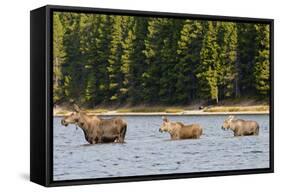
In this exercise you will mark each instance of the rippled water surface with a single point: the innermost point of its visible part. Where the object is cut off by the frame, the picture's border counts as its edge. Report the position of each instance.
(149, 152)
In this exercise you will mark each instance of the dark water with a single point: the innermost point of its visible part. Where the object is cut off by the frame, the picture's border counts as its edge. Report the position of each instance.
(149, 152)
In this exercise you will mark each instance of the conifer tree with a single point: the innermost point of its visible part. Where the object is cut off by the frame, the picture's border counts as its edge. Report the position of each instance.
(103, 52)
(153, 45)
(89, 25)
(115, 77)
(58, 56)
(109, 60)
(207, 70)
(128, 36)
(170, 34)
(137, 63)
(262, 62)
(246, 57)
(72, 66)
(227, 55)
(189, 47)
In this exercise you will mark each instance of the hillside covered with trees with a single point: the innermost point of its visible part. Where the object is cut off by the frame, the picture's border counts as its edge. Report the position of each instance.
(116, 60)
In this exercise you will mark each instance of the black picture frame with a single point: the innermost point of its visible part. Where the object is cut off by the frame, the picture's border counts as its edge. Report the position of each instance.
(41, 114)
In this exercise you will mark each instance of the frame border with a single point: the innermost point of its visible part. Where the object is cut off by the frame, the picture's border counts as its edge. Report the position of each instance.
(49, 93)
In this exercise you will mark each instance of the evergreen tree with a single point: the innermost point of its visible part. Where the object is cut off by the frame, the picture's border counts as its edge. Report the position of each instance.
(58, 56)
(103, 52)
(262, 62)
(152, 74)
(127, 54)
(115, 77)
(170, 34)
(246, 57)
(189, 47)
(89, 25)
(207, 73)
(72, 67)
(109, 60)
(137, 58)
(227, 53)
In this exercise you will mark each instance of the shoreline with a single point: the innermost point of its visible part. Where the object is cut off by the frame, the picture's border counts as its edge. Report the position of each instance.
(184, 113)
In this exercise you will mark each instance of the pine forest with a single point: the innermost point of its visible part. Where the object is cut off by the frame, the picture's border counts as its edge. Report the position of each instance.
(116, 60)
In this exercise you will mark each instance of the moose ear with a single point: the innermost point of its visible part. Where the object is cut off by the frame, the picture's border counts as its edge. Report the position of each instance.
(165, 119)
(231, 117)
(76, 108)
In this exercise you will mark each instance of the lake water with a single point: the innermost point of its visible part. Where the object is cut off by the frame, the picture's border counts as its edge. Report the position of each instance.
(149, 152)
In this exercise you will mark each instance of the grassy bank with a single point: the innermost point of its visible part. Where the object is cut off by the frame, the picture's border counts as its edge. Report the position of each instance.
(257, 108)
(212, 109)
(153, 109)
(184, 110)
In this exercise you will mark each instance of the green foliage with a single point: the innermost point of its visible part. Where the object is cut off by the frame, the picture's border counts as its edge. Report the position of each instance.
(58, 56)
(153, 45)
(246, 57)
(170, 34)
(72, 66)
(137, 65)
(227, 53)
(116, 60)
(207, 71)
(191, 35)
(129, 37)
(261, 68)
(115, 78)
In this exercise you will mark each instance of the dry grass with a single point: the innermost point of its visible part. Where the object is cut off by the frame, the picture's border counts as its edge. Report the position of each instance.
(61, 112)
(150, 110)
(172, 109)
(237, 108)
(98, 110)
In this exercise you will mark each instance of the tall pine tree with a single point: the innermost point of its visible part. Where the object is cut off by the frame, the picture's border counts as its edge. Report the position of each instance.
(135, 60)
(114, 68)
(72, 66)
(227, 59)
(58, 56)
(246, 57)
(152, 51)
(189, 47)
(104, 59)
(207, 73)
(170, 34)
(262, 63)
